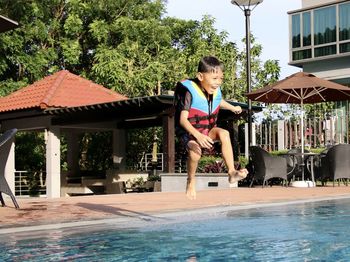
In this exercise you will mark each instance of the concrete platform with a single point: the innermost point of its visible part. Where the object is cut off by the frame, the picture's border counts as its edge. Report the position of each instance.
(176, 182)
(43, 211)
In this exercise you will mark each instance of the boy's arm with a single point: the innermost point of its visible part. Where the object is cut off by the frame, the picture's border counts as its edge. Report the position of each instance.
(228, 106)
(203, 140)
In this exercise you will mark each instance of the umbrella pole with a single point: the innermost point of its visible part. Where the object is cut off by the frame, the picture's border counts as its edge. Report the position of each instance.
(302, 127)
(302, 139)
(302, 183)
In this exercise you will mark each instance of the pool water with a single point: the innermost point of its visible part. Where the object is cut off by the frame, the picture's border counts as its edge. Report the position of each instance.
(317, 231)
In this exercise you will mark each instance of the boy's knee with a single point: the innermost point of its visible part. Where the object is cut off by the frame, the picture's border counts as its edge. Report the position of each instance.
(194, 156)
(224, 134)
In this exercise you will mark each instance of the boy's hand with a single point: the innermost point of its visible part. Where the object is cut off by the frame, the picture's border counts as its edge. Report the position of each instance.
(237, 110)
(205, 141)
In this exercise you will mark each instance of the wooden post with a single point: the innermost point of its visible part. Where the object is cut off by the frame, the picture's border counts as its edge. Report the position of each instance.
(266, 141)
(270, 135)
(296, 134)
(314, 132)
(291, 134)
(331, 131)
(286, 134)
(347, 128)
(169, 143)
(321, 136)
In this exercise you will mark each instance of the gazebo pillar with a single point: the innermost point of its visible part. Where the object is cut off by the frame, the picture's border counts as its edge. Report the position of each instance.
(119, 146)
(169, 143)
(53, 164)
(10, 168)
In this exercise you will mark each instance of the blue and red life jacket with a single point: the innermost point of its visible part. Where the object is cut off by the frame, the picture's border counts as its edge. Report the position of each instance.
(204, 111)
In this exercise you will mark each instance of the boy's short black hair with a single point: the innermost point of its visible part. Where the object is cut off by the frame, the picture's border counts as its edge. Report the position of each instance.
(210, 64)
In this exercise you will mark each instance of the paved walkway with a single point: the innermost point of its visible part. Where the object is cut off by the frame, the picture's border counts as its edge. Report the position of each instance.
(41, 211)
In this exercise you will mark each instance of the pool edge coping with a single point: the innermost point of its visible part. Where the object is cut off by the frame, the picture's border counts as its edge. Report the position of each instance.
(144, 220)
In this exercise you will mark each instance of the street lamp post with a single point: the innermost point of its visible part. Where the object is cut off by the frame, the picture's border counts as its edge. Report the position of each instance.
(247, 6)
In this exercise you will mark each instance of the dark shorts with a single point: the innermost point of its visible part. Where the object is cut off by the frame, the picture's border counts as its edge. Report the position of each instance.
(186, 138)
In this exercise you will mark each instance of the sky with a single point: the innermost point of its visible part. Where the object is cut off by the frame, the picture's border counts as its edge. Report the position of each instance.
(268, 24)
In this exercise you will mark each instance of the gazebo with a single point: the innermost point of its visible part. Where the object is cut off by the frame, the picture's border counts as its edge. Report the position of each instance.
(64, 103)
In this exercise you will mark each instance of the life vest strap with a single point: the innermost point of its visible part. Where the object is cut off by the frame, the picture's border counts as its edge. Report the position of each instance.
(200, 118)
(202, 126)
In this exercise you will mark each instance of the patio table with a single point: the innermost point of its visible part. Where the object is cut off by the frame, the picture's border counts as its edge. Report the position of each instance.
(304, 156)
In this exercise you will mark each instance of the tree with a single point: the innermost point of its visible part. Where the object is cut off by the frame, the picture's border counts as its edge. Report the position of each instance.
(128, 46)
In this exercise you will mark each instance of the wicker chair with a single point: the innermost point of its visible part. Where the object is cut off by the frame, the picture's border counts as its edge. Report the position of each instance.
(266, 166)
(335, 165)
(5, 146)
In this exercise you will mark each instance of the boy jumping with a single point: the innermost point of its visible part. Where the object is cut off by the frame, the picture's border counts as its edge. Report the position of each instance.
(197, 106)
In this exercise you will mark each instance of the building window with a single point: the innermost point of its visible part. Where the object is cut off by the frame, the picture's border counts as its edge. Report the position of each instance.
(325, 50)
(344, 48)
(325, 25)
(296, 31)
(344, 22)
(302, 54)
(306, 29)
(320, 32)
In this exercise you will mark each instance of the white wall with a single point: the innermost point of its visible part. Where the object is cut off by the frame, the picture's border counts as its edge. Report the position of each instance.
(310, 3)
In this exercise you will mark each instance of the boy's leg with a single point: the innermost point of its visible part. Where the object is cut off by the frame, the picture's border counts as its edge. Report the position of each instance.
(226, 149)
(194, 154)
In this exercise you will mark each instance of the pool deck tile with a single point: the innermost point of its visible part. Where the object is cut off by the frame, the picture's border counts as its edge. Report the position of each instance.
(41, 210)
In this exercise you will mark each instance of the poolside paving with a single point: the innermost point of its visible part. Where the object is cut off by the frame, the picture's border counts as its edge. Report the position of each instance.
(42, 211)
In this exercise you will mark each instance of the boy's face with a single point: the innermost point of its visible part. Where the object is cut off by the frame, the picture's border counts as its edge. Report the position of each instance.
(211, 81)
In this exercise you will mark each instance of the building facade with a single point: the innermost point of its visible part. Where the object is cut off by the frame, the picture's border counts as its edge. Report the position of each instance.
(319, 43)
(319, 39)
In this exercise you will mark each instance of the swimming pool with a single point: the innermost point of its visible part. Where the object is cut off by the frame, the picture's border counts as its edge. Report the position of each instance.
(287, 232)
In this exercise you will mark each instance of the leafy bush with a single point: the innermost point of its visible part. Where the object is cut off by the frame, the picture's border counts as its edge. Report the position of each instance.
(153, 177)
(284, 151)
(206, 161)
(217, 167)
(243, 162)
(213, 164)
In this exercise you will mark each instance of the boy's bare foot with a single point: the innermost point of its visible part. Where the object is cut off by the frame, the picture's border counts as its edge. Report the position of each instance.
(237, 175)
(191, 189)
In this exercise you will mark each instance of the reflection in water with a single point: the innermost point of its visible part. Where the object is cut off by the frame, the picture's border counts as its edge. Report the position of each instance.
(192, 259)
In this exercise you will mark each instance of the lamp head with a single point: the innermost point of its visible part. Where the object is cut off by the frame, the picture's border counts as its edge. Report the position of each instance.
(247, 3)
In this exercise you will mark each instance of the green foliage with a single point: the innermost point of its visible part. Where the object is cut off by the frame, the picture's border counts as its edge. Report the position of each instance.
(33, 183)
(139, 142)
(154, 177)
(30, 151)
(318, 150)
(215, 164)
(243, 161)
(279, 152)
(30, 157)
(284, 151)
(96, 151)
(127, 46)
(138, 181)
(206, 161)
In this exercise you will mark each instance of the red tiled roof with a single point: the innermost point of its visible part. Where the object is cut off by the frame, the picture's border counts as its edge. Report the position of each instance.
(62, 89)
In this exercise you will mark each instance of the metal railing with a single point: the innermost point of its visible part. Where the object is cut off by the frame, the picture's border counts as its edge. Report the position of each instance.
(318, 132)
(30, 183)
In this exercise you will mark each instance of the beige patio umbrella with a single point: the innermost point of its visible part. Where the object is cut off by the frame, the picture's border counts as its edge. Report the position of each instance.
(301, 88)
